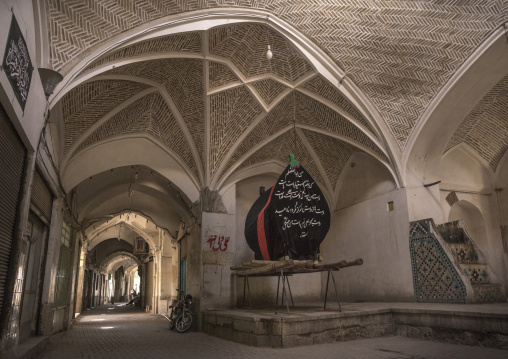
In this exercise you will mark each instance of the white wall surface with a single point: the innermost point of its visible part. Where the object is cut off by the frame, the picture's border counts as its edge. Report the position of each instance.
(462, 170)
(368, 230)
(363, 178)
(29, 122)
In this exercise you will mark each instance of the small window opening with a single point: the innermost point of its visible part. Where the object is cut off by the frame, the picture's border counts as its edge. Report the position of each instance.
(390, 206)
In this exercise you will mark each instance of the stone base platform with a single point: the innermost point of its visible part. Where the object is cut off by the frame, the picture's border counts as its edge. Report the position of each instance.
(470, 324)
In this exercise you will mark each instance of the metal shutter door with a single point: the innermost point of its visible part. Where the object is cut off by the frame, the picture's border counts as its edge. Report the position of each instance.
(41, 195)
(12, 163)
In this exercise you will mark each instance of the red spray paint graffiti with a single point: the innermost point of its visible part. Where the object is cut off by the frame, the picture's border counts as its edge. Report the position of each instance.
(218, 243)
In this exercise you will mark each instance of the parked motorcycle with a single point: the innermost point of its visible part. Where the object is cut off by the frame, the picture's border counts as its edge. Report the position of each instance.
(180, 318)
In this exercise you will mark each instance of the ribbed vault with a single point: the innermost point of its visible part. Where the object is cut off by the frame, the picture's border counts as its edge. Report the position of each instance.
(218, 106)
(215, 117)
(397, 52)
(486, 127)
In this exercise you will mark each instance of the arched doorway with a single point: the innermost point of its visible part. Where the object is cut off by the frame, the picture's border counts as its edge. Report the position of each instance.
(473, 221)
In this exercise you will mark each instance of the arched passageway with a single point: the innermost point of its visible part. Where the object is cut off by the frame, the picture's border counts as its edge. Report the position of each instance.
(163, 121)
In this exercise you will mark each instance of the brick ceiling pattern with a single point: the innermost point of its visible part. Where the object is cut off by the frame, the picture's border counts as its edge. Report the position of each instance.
(220, 75)
(333, 153)
(321, 87)
(311, 112)
(84, 105)
(189, 42)
(183, 80)
(231, 112)
(268, 89)
(148, 115)
(486, 128)
(135, 118)
(308, 112)
(400, 53)
(279, 117)
(280, 148)
(246, 45)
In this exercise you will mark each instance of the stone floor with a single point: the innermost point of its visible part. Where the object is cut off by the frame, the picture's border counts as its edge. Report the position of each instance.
(118, 331)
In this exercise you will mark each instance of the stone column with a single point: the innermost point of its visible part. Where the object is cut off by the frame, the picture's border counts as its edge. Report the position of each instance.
(218, 236)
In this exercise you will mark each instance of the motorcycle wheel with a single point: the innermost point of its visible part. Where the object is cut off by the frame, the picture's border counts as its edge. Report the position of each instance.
(171, 325)
(183, 322)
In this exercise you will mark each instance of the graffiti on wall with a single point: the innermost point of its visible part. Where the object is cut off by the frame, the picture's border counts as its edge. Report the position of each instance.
(217, 243)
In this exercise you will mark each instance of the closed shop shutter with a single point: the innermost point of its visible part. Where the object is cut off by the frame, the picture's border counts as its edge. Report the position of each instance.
(12, 163)
(41, 195)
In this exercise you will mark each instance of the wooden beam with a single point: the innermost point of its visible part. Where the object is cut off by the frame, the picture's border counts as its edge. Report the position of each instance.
(268, 268)
(344, 264)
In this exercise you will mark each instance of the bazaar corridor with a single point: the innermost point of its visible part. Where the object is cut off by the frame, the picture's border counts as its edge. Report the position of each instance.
(345, 158)
(119, 331)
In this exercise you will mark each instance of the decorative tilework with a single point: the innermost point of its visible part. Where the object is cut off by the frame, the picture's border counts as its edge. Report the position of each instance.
(418, 228)
(477, 273)
(470, 262)
(488, 293)
(435, 278)
(464, 253)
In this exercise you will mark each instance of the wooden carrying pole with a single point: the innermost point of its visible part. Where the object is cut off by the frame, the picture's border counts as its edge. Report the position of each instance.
(256, 267)
(271, 266)
(344, 264)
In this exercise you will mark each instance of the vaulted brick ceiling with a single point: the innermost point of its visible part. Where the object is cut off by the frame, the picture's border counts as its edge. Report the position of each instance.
(486, 127)
(399, 54)
(218, 117)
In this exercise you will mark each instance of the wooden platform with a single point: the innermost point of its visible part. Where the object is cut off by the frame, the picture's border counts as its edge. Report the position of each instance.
(288, 267)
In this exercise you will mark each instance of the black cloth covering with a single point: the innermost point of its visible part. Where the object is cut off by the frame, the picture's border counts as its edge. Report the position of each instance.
(292, 218)
(259, 225)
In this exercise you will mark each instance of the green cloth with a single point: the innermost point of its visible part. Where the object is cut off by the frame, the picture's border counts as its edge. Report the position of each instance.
(292, 161)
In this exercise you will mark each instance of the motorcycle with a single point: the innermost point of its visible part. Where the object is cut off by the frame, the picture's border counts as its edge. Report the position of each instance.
(181, 317)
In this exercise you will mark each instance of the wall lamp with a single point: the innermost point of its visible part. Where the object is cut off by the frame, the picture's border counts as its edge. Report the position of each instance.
(49, 80)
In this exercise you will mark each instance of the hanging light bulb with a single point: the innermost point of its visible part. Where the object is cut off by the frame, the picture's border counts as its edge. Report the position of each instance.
(269, 53)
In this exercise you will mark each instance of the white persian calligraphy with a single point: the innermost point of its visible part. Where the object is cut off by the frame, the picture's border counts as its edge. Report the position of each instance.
(300, 208)
(18, 61)
(288, 223)
(300, 194)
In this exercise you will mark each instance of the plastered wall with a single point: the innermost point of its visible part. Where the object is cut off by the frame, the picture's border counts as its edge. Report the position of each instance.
(370, 231)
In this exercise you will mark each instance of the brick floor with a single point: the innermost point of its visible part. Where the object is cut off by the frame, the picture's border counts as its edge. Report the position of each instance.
(117, 331)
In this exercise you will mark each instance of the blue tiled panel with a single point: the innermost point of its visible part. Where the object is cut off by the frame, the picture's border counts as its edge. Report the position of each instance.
(434, 277)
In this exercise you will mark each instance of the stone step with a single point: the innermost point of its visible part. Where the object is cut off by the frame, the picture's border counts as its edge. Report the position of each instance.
(488, 293)
(476, 272)
(464, 253)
